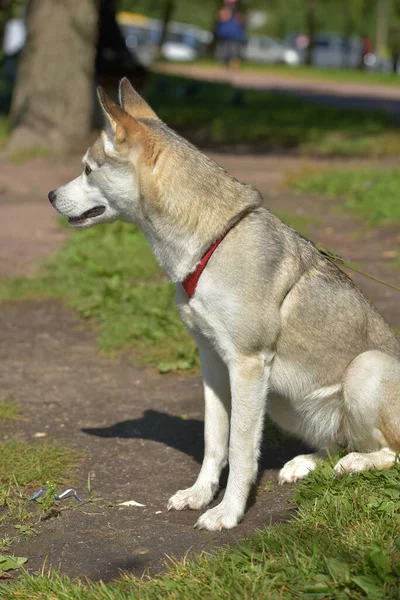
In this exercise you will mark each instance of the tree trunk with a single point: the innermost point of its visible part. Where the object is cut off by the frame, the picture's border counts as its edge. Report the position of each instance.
(212, 46)
(311, 26)
(169, 6)
(5, 12)
(52, 101)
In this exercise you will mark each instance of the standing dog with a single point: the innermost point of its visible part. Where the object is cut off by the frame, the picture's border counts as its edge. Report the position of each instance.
(279, 328)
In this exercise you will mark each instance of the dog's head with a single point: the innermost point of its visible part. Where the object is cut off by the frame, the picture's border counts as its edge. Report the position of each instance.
(116, 167)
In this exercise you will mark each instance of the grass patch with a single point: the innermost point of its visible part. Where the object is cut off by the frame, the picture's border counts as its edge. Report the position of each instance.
(9, 409)
(20, 156)
(25, 468)
(343, 543)
(109, 275)
(300, 223)
(26, 464)
(371, 193)
(212, 113)
(4, 130)
(318, 73)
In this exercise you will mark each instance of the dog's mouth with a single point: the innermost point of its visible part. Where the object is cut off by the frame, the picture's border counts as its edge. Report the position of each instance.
(88, 214)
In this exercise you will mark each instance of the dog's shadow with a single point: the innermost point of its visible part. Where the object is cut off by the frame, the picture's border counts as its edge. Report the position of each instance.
(186, 435)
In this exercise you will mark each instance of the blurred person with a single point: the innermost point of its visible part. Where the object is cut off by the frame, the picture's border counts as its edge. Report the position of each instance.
(367, 47)
(230, 34)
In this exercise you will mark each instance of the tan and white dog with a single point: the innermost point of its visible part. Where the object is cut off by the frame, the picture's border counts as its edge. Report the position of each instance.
(279, 328)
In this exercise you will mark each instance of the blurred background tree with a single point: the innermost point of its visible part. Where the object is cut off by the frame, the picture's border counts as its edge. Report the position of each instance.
(52, 101)
(394, 33)
(5, 14)
(68, 43)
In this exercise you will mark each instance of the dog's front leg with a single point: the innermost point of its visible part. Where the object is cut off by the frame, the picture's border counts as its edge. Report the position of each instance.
(249, 385)
(216, 431)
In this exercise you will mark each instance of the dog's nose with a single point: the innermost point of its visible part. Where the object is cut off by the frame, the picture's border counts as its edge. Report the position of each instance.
(52, 196)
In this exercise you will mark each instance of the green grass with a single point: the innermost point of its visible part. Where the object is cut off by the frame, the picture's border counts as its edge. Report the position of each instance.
(25, 468)
(276, 121)
(300, 223)
(371, 193)
(4, 130)
(33, 464)
(9, 409)
(109, 275)
(20, 156)
(343, 543)
(319, 73)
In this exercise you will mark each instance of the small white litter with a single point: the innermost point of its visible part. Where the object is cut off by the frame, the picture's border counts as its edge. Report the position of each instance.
(130, 503)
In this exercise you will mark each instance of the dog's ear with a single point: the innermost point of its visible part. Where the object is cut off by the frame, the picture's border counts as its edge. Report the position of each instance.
(133, 103)
(119, 122)
(125, 128)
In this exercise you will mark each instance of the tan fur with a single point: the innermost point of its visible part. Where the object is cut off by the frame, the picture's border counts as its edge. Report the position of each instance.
(279, 328)
(133, 103)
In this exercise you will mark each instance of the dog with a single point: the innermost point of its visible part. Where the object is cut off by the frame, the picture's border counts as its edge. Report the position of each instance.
(280, 329)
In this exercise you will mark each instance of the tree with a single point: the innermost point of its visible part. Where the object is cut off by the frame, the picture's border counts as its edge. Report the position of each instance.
(52, 101)
(311, 27)
(5, 11)
(169, 6)
(394, 35)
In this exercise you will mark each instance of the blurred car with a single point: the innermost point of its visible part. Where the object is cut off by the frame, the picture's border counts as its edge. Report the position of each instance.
(266, 49)
(183, 42)
(335, 50)
(180, 44)
(141, 36)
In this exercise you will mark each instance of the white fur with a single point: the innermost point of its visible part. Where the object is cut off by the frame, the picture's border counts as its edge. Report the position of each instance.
(104, 186)
(299, 467)
(216, 432)
(356, 461)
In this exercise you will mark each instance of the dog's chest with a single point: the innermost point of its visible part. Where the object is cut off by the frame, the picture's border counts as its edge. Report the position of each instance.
(201, 315)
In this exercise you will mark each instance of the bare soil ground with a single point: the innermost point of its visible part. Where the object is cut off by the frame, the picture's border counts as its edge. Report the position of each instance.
(141, 432)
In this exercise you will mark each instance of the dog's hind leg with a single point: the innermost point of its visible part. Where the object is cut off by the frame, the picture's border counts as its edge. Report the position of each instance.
(216, 431)
(368, 461)
(372, 406)
(283, 414)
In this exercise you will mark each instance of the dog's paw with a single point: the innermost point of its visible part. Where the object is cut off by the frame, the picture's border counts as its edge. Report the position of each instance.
(353, 463)
(195, 497)
(218, 518)
(297, 468)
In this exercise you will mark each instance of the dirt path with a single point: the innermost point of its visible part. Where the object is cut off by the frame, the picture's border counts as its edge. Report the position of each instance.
(141, 432)
(28, 229)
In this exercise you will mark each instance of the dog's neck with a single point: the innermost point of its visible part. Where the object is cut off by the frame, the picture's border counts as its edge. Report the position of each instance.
(193, 204)
(178, 248)
(176, 254)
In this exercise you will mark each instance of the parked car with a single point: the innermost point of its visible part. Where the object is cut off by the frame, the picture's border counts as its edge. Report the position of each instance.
(266, 49)
(183, 42)
(330, 49)
(336, 50)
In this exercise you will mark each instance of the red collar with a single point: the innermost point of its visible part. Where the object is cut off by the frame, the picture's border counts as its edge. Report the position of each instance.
(190, 282)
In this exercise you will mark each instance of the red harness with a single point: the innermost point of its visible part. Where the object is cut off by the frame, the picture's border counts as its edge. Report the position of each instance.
(190, 283)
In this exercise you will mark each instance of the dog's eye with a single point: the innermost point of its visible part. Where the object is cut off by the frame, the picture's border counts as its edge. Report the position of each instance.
(88, 170)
